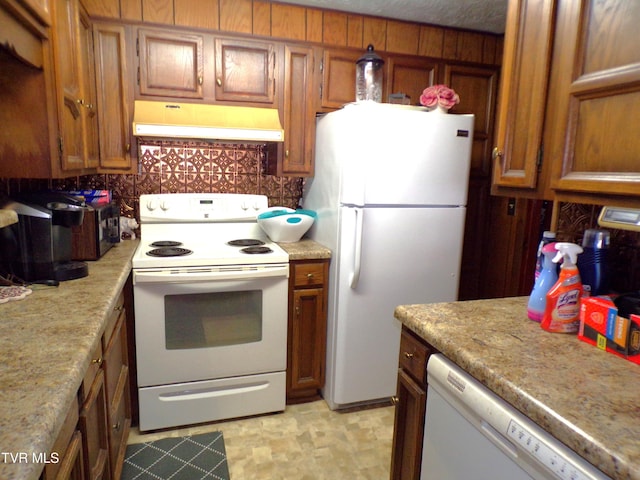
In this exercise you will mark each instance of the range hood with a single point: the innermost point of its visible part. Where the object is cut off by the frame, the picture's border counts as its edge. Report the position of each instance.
(201, 121)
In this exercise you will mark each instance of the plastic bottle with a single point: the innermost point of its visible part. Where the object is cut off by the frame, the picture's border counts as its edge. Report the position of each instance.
(547, 238)
(562, 312)
(593, 263)
(547, 279)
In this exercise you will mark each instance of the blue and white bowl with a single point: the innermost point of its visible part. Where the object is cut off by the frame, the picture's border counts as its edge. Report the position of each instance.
(286, 225)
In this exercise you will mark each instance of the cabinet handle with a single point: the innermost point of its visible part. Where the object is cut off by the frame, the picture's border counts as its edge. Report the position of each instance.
(80, 101)
(297, 309)
(219, 82)
(286, 153)
(408, 355)
(309, 276)
(97, 361)
(200, 80)
(127, 147)
(117, 426)
(395, 400)
(496, 154)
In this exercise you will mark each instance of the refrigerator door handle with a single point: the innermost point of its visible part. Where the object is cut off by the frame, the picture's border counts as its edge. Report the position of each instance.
(357, 254)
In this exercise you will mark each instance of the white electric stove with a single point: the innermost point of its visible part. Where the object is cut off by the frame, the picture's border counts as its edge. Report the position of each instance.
(210, 292)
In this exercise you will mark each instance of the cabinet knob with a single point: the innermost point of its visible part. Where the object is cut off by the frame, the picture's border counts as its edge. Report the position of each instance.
(395, 400)
(117, 426)
(219, 82)
(309, 276)
(286, 153)
(408, 355)
(127, 147)
(200, 80)
(97, 361)
(497, 153)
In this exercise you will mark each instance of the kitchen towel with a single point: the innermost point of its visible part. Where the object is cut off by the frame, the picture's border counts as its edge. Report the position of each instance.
(178, 458)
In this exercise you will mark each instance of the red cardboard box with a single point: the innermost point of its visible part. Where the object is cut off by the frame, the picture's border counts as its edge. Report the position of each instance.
(600, 325)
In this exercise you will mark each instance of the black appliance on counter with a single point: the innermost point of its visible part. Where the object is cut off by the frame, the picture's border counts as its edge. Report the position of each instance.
(39, 246)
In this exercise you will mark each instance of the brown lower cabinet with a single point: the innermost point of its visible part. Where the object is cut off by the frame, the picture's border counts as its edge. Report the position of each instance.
(307, 329)
(411, 401)
(93, 439)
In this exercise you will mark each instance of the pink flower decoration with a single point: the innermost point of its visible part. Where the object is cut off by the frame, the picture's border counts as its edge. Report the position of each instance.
(439, 95)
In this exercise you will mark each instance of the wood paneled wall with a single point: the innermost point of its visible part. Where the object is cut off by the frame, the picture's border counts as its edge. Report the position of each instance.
(330, 28)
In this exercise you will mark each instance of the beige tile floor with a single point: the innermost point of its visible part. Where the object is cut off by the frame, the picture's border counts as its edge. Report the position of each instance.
(306, 442)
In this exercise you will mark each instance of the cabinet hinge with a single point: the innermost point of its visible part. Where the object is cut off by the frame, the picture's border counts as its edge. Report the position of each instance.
(138, 76)
(138, 47)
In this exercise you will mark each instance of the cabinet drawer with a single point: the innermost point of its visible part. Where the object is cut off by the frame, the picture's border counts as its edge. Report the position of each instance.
(92, 370)
(413, 357)
(113, 319)
(307, 274)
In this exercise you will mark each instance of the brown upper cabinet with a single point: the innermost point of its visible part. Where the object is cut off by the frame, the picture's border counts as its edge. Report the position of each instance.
(171, 63)
(570, 102)
(338, 77)
(409, 75)
(521, 105)
(114, 96)
(594, 99)
(76, 94)
(245, 71)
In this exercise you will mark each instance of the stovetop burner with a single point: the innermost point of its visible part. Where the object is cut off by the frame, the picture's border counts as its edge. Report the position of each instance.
(245, 242)
(256, 250)
(169, 252)
(165, 243)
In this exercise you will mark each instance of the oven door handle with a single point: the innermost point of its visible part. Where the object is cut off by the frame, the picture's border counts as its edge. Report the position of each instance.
(204, 274)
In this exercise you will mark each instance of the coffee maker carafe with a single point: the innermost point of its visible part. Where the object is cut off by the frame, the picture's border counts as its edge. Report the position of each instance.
(38, 247)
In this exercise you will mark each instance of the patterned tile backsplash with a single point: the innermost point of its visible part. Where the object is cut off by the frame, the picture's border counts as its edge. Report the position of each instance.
(196, 166)
(180, 167)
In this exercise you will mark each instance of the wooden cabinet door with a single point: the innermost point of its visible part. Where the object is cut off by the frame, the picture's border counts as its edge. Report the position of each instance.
(245, 71)
(307, 330)
(171, 63)
(117, 389)
(68, 447)
(525, 73)
(477, 88)
(68, 68)
(93, 426)
(338, 77)
(114, 99)
(89, 95)
(409, 75)
(594, 107)
(299, 112)
(408, 430)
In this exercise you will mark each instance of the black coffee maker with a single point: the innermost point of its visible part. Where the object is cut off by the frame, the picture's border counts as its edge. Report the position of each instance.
(38, 247)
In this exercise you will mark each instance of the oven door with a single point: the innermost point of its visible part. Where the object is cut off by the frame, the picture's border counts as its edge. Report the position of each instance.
(202, 323)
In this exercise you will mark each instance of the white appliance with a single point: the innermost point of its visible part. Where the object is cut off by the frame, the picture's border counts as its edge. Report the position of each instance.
(210, 299)
(389, 190)
(470, 432)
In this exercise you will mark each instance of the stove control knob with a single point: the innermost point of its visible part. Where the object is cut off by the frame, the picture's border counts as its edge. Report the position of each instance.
(164, 205)
(244, 206)
(152, 204)
(256, 206)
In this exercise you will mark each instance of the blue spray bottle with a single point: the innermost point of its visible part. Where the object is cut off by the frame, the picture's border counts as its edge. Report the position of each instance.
(547, 279)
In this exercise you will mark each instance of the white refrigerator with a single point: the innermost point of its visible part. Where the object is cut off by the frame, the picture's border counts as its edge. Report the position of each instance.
(390, 190)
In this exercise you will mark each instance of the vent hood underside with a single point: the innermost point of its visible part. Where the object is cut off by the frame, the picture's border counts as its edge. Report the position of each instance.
(213, 122)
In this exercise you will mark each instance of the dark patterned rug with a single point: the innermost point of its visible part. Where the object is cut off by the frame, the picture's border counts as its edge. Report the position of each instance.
(180, 458)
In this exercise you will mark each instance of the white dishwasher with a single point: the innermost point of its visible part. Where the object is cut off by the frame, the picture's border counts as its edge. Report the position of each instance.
(471, 433)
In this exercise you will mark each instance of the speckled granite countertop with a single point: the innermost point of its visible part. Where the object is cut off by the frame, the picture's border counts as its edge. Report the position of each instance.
(306, 249)
(45, 345)
(586, 398)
